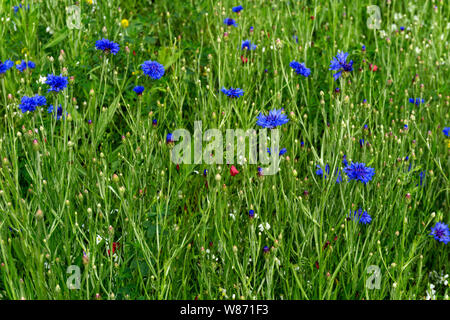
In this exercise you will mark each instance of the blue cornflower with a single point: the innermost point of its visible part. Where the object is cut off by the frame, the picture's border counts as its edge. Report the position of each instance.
(295, 38)
(251, 213)
(169, 138)
(23, 65)
(246, 44)
(233, 93)
(237, 9)
(154, 122)
(344, 160)
(359, 171)
(273, 119)
(59, 111)
(153, 69)
(320, 172)
(446, 131)
(230, 22)
(266, 249)
(402, 28)
(16, 8)
(260, 171)
(340, 64)
(282, 151)
(421, 177)
(339, 176)
(139, 90)
(107, 46)
(56, 83)
(361, 216)
(5, 66)
(300, 68)
(363, 48)
(361, 143)
(416, 101)
(440, 232)
(31, 103)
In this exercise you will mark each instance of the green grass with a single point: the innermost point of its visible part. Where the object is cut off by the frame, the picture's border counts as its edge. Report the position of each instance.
(64, 183)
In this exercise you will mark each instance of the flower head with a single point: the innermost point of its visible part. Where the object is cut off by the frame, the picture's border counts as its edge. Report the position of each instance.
(320, 172)
(153, 69)
(446, 131)
(440, 232)
(361, 216)
(273, 119)
(300, 68)
(238, 9)
(340, 64)
(107, 46)
(233, 171)
(247, 44)
(233, 93)
(59, 111)
(359, 171)
(416, 101)
(230, 22)
(31, 103)
(169, 138)
(139, 90)
(124, 23)
(22, 66)
(282, 151)
(56, 83)
(5, 66)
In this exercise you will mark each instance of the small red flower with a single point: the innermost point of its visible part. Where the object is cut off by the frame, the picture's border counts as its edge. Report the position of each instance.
(244, 59)
(233, 171)
(373, 67)
(115, 246)
(317, 265)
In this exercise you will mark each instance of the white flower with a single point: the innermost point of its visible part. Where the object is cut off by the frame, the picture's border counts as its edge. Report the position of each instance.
(397, 16)
(264, 226)
(42, 79)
